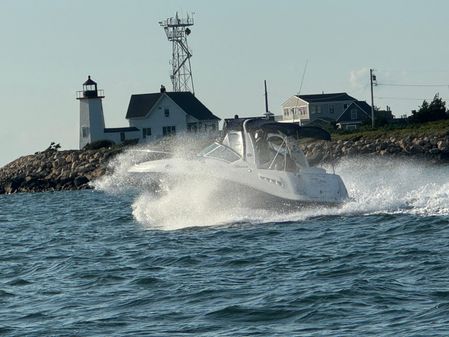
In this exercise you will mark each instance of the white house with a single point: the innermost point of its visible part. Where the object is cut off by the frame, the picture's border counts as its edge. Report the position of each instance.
(306, 108)
(150, 116)
(167, 113)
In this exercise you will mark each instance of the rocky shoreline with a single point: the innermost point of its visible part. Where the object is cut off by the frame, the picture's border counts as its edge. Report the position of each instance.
(53, 170)
(434, 149)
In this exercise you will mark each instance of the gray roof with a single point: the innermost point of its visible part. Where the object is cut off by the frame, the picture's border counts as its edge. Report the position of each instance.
(140, 105)
(364, 106)
(322, 98)
(361, 105)
(89, 81)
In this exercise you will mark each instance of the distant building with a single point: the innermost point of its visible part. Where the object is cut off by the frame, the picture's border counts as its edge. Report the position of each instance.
(325, 109)
(150, 116)
(384, 116)
(355, 114)
(306, 108)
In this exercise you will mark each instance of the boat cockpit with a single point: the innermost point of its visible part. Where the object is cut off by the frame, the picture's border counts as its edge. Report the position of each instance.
(275, 145)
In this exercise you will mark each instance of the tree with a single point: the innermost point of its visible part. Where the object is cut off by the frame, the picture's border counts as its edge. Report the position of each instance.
(433, 111)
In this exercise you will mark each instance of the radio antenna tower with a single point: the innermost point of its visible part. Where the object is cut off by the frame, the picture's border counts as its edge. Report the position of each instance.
(177, 29)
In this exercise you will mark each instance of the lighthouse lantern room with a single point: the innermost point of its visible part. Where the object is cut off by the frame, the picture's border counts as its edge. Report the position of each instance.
(91, 113)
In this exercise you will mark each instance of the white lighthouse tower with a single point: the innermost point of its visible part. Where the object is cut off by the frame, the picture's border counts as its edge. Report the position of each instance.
(91, 113)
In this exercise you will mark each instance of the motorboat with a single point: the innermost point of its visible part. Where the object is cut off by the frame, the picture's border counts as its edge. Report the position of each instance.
(262, 156)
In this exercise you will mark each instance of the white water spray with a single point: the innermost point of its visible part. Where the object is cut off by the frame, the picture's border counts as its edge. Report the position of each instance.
(391, 186)
(376, 185)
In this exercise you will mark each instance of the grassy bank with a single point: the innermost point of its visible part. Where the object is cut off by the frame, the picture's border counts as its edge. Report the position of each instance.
(438, 129)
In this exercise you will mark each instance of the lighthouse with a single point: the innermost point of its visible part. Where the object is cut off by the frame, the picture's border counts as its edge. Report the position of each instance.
(92, 127)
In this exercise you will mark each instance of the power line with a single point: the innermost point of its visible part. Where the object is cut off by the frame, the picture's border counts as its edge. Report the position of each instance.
(405, 98)
(412, 71)
(401, 98)
(412, 85)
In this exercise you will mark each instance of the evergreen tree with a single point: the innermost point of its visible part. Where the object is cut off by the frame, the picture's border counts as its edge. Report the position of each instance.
(433, 111)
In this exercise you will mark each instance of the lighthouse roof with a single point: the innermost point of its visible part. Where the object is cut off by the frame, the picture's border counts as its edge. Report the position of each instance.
(89, 82)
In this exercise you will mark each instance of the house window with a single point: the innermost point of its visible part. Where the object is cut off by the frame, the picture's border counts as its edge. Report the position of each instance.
(146, 132)
(315, 109)
(168, 130)
(331, 109)
(85, 131)
(122, 136)
(353, 114)
(286, 112)
(166, 112)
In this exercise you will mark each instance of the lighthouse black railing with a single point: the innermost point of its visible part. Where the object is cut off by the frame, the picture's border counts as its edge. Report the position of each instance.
(90, 94)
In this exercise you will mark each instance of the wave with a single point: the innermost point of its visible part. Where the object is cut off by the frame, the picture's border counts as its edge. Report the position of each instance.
(375, 185)
(396, 186)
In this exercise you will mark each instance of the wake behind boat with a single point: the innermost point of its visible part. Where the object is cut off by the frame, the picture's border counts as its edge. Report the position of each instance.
(262, 156)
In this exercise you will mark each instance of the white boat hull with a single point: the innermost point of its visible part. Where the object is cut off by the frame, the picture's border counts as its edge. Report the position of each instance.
(308, 186)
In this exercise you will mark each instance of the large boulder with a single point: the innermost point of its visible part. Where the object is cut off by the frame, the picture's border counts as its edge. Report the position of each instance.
(80, 181)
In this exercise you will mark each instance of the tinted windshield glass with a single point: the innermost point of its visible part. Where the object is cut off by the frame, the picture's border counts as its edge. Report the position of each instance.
(220, 152)
(208, 149)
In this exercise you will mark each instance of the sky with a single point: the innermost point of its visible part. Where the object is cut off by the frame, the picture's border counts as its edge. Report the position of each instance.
(49, 47)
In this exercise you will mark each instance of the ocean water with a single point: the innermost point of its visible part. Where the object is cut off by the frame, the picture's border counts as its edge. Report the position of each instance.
(119, 261)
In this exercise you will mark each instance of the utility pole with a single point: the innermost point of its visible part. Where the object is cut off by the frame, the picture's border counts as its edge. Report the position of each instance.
(372, 79)
(266, 96)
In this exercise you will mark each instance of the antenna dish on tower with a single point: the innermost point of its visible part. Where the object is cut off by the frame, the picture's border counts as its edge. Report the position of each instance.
(177, 29)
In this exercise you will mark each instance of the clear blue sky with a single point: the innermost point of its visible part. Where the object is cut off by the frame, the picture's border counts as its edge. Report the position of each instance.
(50, 46)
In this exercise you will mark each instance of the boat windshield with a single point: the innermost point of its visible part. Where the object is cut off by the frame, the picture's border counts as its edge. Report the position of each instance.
(276, 151)
(234, 140)
(221, 152)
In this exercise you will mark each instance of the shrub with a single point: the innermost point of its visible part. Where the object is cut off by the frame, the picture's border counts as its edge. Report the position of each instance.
(99, 144)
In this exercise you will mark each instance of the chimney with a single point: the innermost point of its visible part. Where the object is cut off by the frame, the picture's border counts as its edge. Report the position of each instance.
(162, 89)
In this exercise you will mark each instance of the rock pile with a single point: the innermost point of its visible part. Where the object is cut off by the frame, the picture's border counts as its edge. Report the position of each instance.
(435, 148)
(53, 170)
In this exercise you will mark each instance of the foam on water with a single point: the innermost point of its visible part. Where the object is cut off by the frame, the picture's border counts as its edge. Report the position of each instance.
(375, 185)
(391, 186)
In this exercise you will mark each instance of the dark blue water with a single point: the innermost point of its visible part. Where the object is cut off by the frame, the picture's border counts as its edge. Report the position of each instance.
(92, 263)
